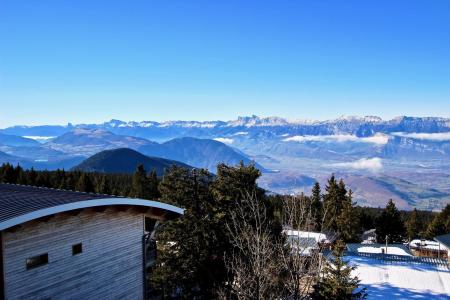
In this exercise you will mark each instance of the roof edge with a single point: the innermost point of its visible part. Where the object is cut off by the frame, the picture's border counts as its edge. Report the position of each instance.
(441, 239)
(87, 204)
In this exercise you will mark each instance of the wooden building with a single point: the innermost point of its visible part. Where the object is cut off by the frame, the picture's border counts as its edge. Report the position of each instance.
(444, 240)
(57, 244)
(426, 248)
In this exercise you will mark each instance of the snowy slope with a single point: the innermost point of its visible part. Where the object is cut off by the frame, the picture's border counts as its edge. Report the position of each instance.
(401, 280)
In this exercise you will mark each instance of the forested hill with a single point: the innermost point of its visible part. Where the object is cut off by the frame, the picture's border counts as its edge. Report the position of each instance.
(125, 160)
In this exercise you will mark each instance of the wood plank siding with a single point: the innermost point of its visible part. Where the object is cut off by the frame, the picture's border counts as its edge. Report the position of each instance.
(109, 267)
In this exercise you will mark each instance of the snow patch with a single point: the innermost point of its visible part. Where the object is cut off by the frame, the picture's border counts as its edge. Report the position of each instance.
(241, 133)
(437, 137)
(227, 141)
(372, 164)
(378, 138)
(39, 138)
(390, 250)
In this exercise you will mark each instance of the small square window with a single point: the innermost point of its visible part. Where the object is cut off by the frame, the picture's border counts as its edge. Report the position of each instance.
(77, 249)
(37, 261)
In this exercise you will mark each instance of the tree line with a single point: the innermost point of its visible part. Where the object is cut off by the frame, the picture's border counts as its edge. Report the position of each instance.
(229, 244)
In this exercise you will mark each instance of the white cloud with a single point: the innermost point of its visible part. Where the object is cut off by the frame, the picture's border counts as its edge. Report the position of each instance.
(439, 137)
(39, 138)
(224, 140)
(378, 138)
(372, 164)
(241, 133)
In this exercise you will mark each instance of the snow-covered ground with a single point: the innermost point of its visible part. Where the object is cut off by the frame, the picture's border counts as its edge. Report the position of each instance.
(401, 280)
(394, 249)
(390, 250)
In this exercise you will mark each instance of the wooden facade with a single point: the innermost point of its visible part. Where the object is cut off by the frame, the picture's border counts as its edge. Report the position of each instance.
(110, 265)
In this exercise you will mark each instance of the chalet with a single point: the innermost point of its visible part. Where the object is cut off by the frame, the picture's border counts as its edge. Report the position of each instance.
(428, 248)
(306, 242)
(57, 244)
(444, 240)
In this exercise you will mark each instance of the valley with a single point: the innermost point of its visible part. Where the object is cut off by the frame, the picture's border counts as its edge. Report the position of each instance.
(406, 159)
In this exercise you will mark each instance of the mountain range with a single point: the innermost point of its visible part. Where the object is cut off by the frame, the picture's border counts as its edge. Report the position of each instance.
(374, 155)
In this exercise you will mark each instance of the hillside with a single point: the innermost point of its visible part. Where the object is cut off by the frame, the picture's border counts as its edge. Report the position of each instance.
(16, 141)
(125, 161)
(87, 142)
(201, 153)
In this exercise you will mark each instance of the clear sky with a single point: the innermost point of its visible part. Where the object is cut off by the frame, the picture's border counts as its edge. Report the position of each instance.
(90, 61)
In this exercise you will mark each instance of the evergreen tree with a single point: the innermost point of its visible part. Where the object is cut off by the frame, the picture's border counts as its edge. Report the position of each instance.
(440, 224)
(43, 179)
(104, 187)
(366, 220)
(188, 263)
(337, 281)
(84, 184)
(140, 187)
(317, 206)
(413, 225)
(153, 185)
(8, 174)
(332, 204)
(390, 224)
(347, 221)
(31, 176)
(340, 215)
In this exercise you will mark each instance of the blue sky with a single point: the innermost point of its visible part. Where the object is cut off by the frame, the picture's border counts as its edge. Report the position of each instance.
(90, 61)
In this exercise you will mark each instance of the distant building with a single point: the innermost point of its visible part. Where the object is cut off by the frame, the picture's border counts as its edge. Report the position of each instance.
(369, 237)
(428, 248)
(445, 240)
(306, 242)
(57, 244)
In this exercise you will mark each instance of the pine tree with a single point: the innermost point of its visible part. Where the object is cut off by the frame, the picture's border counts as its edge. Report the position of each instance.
(189, 260)
(390, 224)
(8, 174)
(84, 184)
(347, 221)
(153, 185)
(317, 206)
(337, 281)
(413, 225)
(140, 187)
(104, 186)
(332, 204)
(440, 224)
(31, 178)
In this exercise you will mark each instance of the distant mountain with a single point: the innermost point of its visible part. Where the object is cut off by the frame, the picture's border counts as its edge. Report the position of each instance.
(6, 158)
(201, 153)
(359, 126)
(375, 191)
(414, 149)
(125, 161)
(16, 141)
(87, 142)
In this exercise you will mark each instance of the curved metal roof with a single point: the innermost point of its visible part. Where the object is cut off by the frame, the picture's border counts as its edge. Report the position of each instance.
(19, 203)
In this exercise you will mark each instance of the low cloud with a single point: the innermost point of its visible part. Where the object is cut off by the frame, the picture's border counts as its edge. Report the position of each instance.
(372, 164)
(379, 138)
(241, 133)
(224, 140)
(438, 137)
